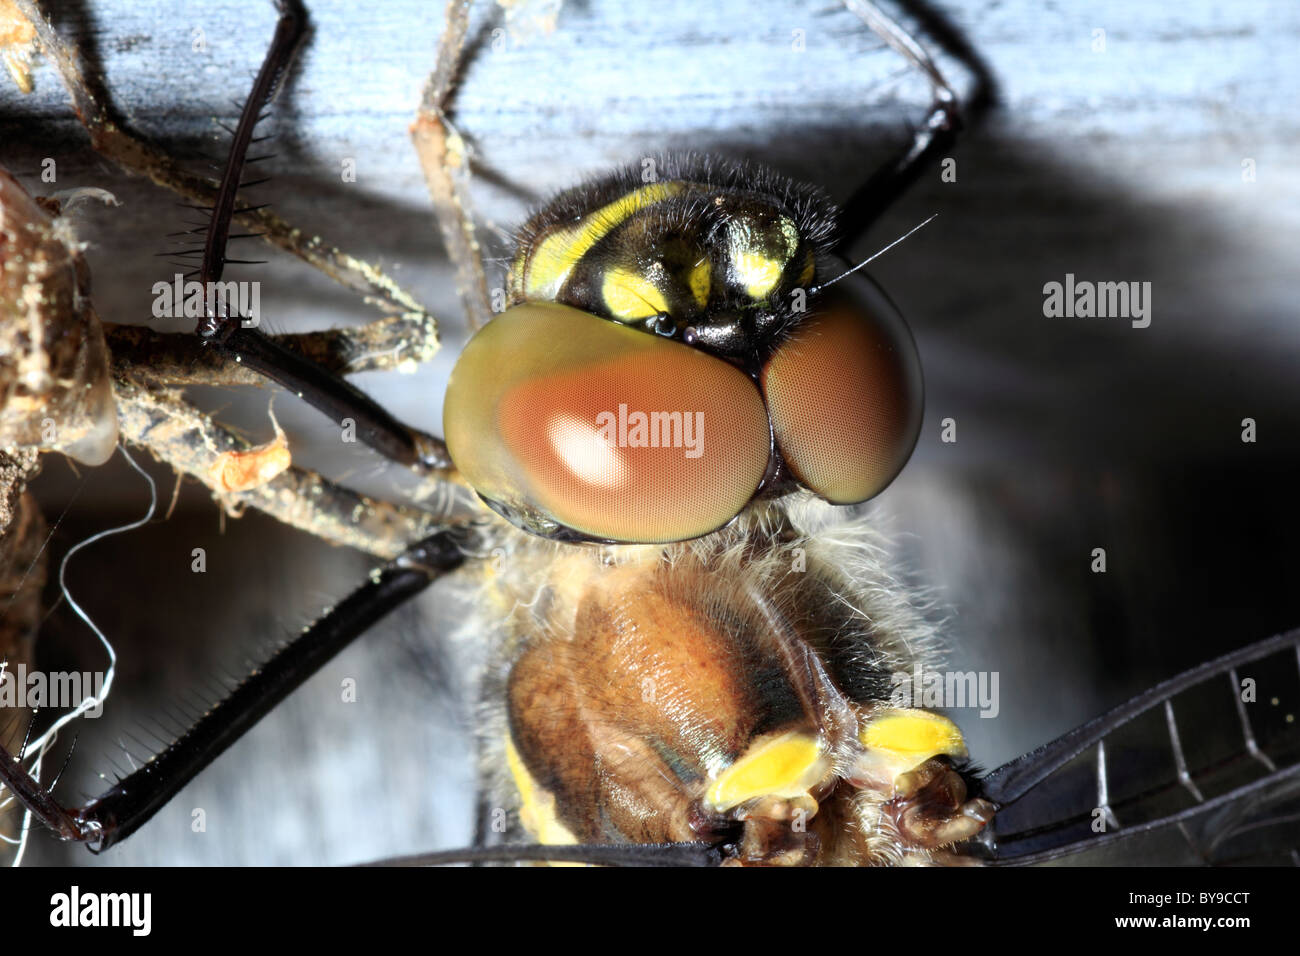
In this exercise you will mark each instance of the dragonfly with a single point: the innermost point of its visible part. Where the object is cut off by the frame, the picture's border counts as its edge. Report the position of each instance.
(1004, 790)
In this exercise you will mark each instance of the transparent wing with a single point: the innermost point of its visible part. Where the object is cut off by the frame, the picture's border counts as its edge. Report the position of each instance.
(1202, 768)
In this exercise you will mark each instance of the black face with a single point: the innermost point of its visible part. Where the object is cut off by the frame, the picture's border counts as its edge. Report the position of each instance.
(717, 255)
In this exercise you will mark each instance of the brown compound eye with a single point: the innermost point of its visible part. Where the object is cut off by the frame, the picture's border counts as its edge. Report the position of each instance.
(844, 393)
(565, 418)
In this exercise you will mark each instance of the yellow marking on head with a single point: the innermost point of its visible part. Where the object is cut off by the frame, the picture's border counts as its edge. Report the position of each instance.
(788, 766)
(700, 280)
(758, 273)
(537, 806)
(790, 234)
(557, 254)
(629, 295)
(911, 737)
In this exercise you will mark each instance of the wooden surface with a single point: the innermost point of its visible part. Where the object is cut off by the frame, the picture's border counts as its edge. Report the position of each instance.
(1123, 165)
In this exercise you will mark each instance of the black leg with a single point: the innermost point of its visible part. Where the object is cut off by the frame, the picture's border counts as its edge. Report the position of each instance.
(133, 800)
(335, 397)
(600, 854)
(937, 135)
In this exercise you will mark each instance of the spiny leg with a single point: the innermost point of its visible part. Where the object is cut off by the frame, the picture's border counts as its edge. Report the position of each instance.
(133, 800)
(375, 426)
(443, 158)
(90, 103)
(934, 137)
(336, 397)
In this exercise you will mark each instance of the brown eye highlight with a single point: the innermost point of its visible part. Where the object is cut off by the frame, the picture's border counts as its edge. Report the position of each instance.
(602, 429)
(844, 394)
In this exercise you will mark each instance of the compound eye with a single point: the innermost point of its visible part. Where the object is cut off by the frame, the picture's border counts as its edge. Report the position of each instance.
(844, 392)
(567, 419)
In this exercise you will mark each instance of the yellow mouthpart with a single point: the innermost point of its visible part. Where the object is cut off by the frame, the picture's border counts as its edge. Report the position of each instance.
(911, 737)
(786, 766)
